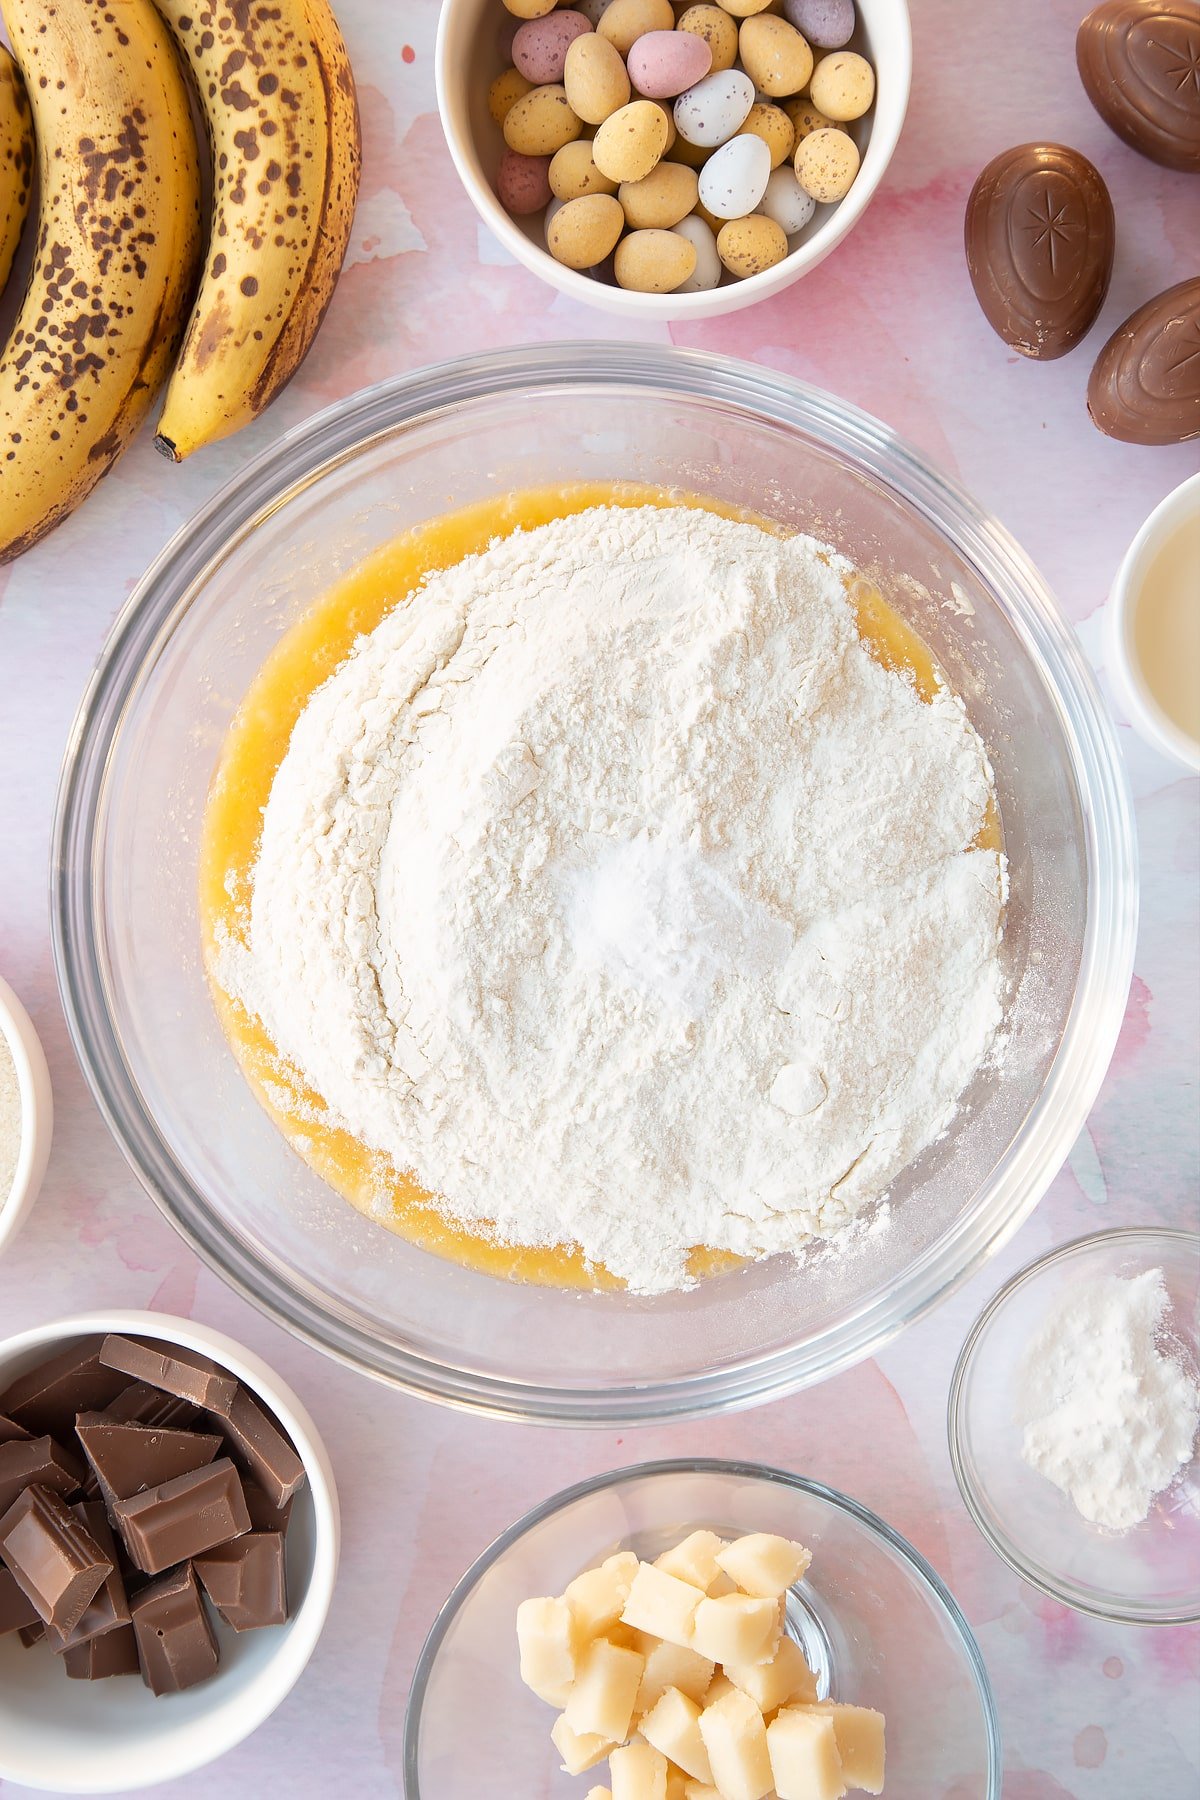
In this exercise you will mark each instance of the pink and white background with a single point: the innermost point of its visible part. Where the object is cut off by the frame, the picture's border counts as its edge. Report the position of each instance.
(1089, 1711)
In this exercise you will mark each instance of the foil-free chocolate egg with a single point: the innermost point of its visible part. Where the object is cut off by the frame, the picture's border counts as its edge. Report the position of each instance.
(1145, 387)
(1139, 61)
(1039, 239)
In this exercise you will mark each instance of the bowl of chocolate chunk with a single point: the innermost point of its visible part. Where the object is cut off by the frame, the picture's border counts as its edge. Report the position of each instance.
(168, 1548)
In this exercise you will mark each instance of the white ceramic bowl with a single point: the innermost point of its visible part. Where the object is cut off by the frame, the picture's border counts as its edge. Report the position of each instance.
(1137, 701)
(107, 1737)
(37, 1113)
(468, 57)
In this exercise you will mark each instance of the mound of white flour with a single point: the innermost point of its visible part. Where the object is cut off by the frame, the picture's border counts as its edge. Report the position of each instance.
(613, 889)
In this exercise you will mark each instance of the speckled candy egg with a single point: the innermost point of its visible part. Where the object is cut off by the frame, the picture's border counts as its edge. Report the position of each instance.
(843, 85)
(595, 79)
(540, 45)
(707, 272)
(583, 232)
(661, 199)
(827, 24)
(541, 122)
(718, 30)
(625, 21)
(573, 172)
(653, 262)
(627, 145)
(774, 55)
(826, 164)
(772, 125)
(663, 63)
(786, 202)
(523, 183)
(712, 111)
(529, 9)
(505, 91)
(748, 246)
(734, 179)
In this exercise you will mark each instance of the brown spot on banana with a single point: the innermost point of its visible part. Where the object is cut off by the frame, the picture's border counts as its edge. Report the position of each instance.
(116, 257)
(16, 161)
(285, 180)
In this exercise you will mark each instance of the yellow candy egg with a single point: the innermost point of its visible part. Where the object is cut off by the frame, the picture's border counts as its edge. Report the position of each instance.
(625, 21)
(748, 246)
(529, 9)
(595, 79)
(744, 9)
(573, 173)
(806, 117)
(843, 85)
(826, 164)
(772, 125)
(541, 122)
(663, 197)
(627, 145)
(653, 262)
(505, 91)
(774, 55)
(718, 30)
(582, 232)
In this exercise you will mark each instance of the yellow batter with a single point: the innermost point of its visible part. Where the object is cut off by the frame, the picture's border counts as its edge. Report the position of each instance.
(257, 740)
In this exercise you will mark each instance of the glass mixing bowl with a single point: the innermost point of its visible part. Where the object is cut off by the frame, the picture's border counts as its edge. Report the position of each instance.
(875, 1624)
(179, 659)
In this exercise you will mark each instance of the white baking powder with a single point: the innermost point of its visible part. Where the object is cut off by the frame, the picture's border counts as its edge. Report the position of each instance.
(616, 891)
(10, 1120)
(1109, 1410)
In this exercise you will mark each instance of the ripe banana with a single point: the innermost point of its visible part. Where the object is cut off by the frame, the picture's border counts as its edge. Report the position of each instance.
(16, 161)
(278, 96)
(117, 250)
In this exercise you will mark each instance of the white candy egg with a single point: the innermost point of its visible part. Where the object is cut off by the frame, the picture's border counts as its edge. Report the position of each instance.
(734, 179)
(712, 111)
(785, 201)
(707, 272)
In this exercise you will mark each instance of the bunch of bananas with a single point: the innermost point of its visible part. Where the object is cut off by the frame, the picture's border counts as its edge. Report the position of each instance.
(122, 292)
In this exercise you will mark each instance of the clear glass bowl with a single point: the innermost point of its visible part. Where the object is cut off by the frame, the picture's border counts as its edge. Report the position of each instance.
(876, 1625)
(1149, 1575)
(180, 657)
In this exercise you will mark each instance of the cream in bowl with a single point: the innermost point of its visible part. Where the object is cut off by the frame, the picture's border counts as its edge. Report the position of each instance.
(26, 1113)
(1154, 627)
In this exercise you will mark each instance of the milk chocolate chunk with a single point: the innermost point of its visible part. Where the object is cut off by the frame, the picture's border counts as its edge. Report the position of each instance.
(16, 1608)
(24, 1461)
(246, 1580)
(110, 1607)
(127, 1459)
(1145, 386)
(46, 1399)
(32, 1634)
(184, 1373)
(175, 1641)
(115, 1653)
(259, 1444)
(9, 1429)
(141, 1404)
(1139, 61)
(183, 1518)
(264, 1514)
(54, 1559)
(1039, 239)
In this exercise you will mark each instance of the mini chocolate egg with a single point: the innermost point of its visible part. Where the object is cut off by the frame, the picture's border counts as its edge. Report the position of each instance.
(573, 172)
(734, 179)
(827, 24)
(529, 9)
(541, 122)
(843, 85)
(663, 197)
(774, 55)
(772, 125)
(630, 142)
(718, 30)
(748, 246)
(712, 111)
(583, 232)
(625, 21)
(826, 164)
(663, 63)
(552, 211)
(745, 9)
(785, 201)
(707, 272)
(540, 45)
(806, 117)
(523, 183)
(594, 78)
(653, 262)
(505, 91)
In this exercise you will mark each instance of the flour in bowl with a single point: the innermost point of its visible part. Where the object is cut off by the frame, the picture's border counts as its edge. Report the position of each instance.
(614, 889)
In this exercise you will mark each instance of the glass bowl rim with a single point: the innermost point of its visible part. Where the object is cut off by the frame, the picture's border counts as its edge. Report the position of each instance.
(698, 1465)
(144, 628)
(1005, 1546)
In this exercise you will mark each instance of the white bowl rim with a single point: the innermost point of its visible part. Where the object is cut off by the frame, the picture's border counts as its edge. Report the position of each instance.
(36, 1097)
(295, 1648)
(715, 302)
(1145, 714)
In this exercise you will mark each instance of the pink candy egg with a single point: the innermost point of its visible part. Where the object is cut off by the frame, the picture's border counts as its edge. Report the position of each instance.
(540, 46)
(523, 182)
(663, 63)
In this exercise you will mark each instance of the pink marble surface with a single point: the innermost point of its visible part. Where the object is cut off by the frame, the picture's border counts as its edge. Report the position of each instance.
(1089, 1712)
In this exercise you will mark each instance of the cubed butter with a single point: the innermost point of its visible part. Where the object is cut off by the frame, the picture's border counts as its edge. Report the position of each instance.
(772, 1684)
(670, 1666)
(677, 1783)
(737, 1628)
(673, 1726)
(859, 1731)
(694, 1560)
(597, 1596)
(763, 1564)
(662, 1604)
(604, 1690)
(718, 1687)
(638, 1772)
(546, 1636)
(804, 1756)
(700, 1790)
(736, 1740)
(578, 1753)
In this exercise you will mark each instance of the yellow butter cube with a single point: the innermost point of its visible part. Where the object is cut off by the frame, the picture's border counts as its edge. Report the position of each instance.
(804, 1756)
(604, 1690)
(578, 1753)
(677, 1783)
(700, 1790)
(673, 1726)
(662, 1604)
(597, 1596)
(670, 1666)
(763, 1564)
(736, 1740)
(737, 1628)
(859, 1732)
(772, 1684)
(546, 1638)
(694, 1560)
(638, 1772)
(718, 1687)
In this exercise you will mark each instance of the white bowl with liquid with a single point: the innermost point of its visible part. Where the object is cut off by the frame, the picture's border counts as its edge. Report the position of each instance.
(1153, 650)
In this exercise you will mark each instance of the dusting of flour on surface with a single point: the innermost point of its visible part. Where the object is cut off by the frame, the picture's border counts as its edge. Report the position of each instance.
(613, 889)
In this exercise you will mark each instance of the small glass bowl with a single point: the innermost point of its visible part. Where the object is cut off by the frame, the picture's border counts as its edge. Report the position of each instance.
(1148, 1575)
(875, 1623)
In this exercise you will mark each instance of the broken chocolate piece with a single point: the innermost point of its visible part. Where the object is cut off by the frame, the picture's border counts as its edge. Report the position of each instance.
(246, 1580)
(110, 1607)
(115, 1653)
(184, 1373)
(141, 1404)
(260, 1445)
(24, 1461)
(32, 1634)
(55, 1559)
(9, 1429)
(16, 1608)
(175, 1641)
(184, 1517)
(264, 1514)
(46, 1399)
(127, 1459)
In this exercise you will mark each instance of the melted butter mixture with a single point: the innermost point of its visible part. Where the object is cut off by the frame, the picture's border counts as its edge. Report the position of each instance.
(254, 747)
